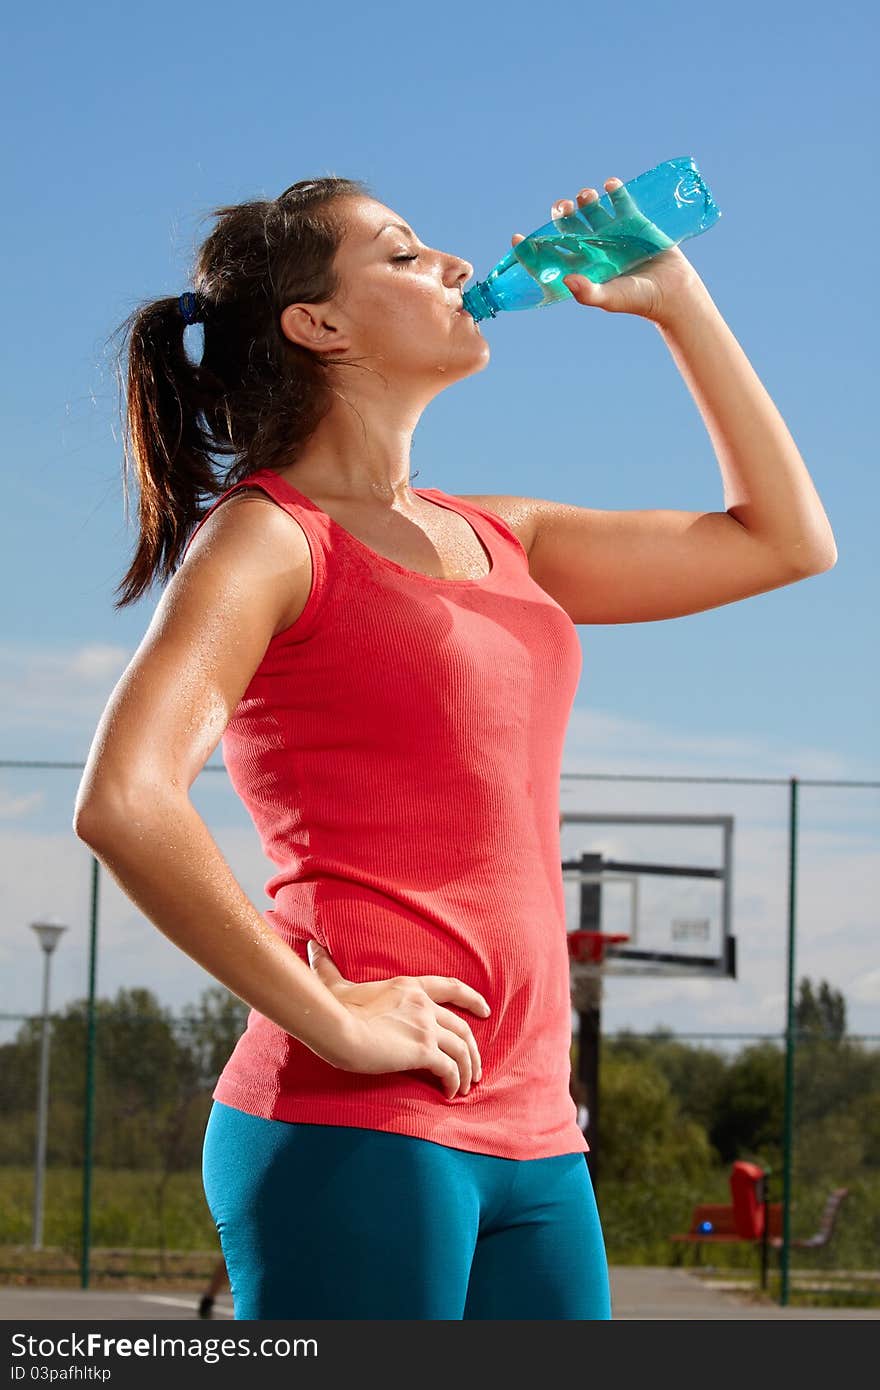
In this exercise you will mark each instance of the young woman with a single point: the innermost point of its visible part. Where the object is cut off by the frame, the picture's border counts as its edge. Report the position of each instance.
(390, 670)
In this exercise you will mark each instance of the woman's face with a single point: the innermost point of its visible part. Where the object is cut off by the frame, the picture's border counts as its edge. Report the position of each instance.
(399, 303)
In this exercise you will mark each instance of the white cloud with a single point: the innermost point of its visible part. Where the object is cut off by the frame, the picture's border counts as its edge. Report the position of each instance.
(606, 742)
(52, 689)
(866, 988)
(19, 807)
(97, 662)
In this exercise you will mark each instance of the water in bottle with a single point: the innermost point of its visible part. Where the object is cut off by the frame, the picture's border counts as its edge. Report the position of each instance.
(621, 230)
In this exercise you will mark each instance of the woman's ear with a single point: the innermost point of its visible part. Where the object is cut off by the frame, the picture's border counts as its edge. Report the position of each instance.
(309, 326)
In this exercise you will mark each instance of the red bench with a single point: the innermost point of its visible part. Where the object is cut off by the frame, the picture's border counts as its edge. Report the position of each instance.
(724, 1230)
(748, 1220)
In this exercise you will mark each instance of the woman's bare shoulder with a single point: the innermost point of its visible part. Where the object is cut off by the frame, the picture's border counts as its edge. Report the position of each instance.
(519, 513)
(252, 534)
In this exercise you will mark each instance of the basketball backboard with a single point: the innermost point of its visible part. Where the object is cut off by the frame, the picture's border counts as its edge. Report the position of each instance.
(665, 881)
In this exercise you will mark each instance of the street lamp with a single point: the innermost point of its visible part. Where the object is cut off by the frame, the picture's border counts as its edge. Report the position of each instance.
(48, 931)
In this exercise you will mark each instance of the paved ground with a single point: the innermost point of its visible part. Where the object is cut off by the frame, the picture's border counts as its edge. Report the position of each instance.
(637, 1295)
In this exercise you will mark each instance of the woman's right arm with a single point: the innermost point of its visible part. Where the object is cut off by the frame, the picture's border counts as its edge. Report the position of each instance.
(246, 576)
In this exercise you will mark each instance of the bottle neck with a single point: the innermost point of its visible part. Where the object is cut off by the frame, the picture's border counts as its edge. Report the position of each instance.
(480, 302)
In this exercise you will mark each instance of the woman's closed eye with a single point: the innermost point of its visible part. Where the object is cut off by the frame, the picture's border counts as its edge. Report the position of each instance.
(405, 258)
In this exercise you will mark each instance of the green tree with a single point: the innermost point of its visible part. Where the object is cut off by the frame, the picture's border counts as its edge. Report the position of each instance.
(820, 1014)
(211, 1028)
(748, 1118)
(831, 1078)
(153, 1072)
(643, 1137)
(866, 1113)
(695, 1074)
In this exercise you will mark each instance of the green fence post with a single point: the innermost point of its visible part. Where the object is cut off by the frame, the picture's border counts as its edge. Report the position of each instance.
(790, 1043)
(90, 1083)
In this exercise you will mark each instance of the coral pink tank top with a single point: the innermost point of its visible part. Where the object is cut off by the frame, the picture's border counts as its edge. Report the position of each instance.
(399, 752)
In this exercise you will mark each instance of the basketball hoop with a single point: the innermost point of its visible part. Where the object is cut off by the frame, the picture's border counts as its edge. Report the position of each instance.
(586, 951)
(588, 947)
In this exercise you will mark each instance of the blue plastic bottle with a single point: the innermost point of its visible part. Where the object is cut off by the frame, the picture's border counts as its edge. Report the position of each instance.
(640, 219)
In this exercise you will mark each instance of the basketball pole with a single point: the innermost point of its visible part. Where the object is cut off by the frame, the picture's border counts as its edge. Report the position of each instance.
(587, 1000)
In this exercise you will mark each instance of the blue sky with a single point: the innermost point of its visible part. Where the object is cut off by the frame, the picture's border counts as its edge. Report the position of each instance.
(470, 120)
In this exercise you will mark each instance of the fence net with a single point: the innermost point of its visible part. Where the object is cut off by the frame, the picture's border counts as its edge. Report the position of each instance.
(100, 1165)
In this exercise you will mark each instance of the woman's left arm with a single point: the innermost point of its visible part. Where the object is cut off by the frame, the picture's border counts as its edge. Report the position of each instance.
(639, 566)
(767, 487)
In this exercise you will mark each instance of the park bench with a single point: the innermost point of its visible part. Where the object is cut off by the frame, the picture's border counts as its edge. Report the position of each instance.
(751, 1220)
(822, 1235)
(714, 1223)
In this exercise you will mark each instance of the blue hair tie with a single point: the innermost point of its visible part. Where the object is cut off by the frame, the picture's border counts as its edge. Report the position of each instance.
(189, 307)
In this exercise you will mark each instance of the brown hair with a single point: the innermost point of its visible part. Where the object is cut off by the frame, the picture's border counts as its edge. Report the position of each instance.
(254, 395)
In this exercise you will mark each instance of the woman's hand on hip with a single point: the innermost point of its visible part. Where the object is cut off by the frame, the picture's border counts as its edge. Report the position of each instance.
(400, 1024)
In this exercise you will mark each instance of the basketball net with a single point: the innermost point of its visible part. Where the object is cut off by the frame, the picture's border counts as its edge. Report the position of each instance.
(586, 950)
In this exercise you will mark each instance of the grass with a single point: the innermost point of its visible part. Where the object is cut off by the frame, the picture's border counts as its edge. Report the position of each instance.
(832, 1288)
(130, 1210)
(23, 1267)
(145, 1228)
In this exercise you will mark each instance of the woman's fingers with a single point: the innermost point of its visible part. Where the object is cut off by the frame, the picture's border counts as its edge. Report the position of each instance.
(568, 216)
(322, 962)
(564, 217)
(457, 1025)
(444, 1066)
(446, 989)
(455, 1047)
(621, 199)
(584, 290)
(454, 1037)
(592, 211)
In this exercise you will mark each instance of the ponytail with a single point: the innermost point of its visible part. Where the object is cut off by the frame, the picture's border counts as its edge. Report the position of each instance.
(254, 396)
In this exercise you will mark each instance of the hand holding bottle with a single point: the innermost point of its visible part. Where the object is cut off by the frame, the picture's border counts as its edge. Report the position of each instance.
(603, 239)
(656, 289)
(400, 1024)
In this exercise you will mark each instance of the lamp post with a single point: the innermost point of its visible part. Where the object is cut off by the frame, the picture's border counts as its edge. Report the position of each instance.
(48, 931)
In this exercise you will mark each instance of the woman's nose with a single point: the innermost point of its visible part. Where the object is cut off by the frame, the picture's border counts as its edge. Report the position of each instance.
(464, 270)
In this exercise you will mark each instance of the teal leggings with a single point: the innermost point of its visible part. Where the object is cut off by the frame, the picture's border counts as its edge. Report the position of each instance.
(331, 1221)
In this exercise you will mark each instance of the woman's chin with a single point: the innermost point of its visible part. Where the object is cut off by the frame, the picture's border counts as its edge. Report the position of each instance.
(476, 344)
(465, 367)
(483, 359)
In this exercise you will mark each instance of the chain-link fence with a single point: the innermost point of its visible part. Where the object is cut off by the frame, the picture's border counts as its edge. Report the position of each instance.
(105, 1092)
